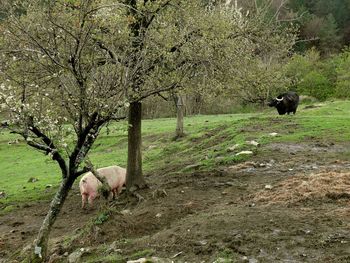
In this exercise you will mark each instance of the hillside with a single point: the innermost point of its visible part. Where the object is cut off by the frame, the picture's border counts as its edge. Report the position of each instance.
(287, 201)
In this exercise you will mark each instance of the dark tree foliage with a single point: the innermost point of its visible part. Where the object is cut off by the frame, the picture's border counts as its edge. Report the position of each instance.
(328, 21)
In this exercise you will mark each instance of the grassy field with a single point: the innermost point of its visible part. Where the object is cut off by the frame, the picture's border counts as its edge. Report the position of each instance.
(207, 142)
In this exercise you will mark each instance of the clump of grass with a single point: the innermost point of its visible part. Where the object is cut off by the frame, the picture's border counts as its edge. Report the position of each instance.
(101, 218)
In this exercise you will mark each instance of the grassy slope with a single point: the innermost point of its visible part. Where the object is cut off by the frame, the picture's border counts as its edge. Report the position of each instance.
(207, 142)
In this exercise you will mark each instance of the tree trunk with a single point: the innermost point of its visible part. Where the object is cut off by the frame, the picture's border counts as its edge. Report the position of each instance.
(180, 117)
(134, 176)
(41, 243)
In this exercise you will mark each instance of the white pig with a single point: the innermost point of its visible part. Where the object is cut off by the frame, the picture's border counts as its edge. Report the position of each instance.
(89, 184)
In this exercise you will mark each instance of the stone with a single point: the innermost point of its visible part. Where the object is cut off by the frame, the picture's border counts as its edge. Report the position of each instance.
(32, 180)
(220, 260)
(113, 248)
(76, 255)
(193, 166)
(233, 148)
(125, 212)
(254, 143)
(244, 153)
(150, 260)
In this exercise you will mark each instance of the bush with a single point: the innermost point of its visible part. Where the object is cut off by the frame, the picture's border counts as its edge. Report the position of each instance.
(342, 89)
(315, 84)
(313, 76)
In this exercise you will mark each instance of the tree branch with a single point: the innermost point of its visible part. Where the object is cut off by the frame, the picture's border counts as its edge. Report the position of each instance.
(50, 149)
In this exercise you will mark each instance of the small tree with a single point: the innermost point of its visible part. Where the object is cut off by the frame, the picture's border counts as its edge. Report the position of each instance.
(58, 87)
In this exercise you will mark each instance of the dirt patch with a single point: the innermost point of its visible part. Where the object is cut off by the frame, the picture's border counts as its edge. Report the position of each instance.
(330, 185)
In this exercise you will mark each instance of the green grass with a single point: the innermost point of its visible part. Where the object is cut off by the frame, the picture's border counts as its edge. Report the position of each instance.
(206, 144)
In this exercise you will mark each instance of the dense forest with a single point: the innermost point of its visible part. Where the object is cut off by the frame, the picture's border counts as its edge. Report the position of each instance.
(323, 24)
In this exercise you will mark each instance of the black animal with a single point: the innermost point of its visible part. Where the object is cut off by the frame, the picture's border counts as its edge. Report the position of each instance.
(285, 103)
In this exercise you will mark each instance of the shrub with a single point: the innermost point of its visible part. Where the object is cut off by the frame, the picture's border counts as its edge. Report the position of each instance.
(315, 84)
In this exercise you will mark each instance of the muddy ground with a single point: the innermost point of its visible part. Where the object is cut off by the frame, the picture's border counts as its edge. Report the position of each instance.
(238, 212)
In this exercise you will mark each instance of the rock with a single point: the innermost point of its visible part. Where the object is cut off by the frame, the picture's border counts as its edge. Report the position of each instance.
(233, 148)
(76, 255)
(273, 134)
(254, 143)
(2, 194)
(202, 243)
(13, 142)
(244, 153)
(66, 254)
(276, 232)
(32, 180)
(268, 187)
(113, 248)
(158, 215)
(241, 166)
(152, 147)
(253, 260)
(125, 212)
(193, 166)
(220, 260)
(150, 260)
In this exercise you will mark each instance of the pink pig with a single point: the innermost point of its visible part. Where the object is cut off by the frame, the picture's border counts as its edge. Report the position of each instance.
(89, 184)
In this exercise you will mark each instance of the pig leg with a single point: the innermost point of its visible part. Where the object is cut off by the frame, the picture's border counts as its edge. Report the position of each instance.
(84, 198)
(114, 193)
(91, 200)
(119, 189)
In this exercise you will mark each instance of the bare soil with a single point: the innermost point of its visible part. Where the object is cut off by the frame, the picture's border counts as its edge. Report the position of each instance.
(289, 203)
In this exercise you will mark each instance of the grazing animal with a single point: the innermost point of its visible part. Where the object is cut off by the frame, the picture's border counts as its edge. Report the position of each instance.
(285, 103)
(89, 184)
